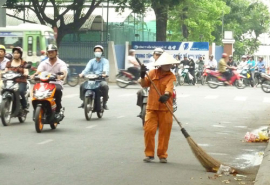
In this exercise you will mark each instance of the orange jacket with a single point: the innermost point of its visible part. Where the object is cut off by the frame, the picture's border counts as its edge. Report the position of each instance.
(164, 83)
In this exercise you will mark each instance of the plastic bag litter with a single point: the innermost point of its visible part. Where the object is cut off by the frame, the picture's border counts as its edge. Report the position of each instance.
(260, 137)
(226, 170)
(250, 137)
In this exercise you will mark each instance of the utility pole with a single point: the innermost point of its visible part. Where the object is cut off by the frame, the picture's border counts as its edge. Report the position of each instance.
(2, 14)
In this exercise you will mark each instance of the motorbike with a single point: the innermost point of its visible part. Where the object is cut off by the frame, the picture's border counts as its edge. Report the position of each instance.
(93, 100)
(185, 76)
(72, 79)
(145, 98)
(265, 84)
(125, 78)
(43, 102)
(246, 77)
(10, 104)
(216, 79)
(199, 76)
(205, 75)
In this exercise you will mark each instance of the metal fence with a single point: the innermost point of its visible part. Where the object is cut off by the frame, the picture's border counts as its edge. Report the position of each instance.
(79, 53)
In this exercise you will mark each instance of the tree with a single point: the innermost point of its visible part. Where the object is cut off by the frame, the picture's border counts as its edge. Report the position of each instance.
(60, 9)
(160, 7)
(196, 20)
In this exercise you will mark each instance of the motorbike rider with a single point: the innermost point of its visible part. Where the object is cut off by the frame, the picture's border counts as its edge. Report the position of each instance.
(157, 114)
(212, 63)
(243, 63)
(17, 65)
(54, 65)
(133, 65)
(3, 59)
(261, 65)
(191, 69)
(98, 65)
(231, 62)
(222, 65)
(200, 63)
(156, 54)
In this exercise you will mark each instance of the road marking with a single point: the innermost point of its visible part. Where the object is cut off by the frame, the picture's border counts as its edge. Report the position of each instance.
(91, 126)
(183, 95)
(125, 95)
(266, 100)
(71, 95)
(217, 154)
(220, 126)
(240, 98)
(211, 97)
(45, 142)
(120, 116)
(240, 126)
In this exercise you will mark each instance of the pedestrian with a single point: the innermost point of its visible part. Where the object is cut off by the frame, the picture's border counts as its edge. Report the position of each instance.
(157, 114)
(252, 64)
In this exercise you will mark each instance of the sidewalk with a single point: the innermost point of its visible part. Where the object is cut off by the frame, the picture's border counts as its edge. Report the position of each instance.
(263, 177)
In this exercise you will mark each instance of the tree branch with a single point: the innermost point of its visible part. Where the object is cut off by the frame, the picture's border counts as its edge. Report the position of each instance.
(19, 18)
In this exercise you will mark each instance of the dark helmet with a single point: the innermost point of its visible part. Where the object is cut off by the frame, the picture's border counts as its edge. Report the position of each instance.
(9, 56)
(98, 46)
(19, 49)
(51, 47)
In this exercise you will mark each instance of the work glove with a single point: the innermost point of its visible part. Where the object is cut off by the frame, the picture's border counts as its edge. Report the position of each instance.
(164, 98)
(143, 71)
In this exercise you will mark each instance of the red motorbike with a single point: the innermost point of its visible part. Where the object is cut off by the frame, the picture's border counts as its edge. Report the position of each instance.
(205, 75)
(216, 79)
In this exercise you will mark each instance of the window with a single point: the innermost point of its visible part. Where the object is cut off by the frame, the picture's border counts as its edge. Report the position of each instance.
(38, 47)
(11, 42)
(30, 46)
(49, 36)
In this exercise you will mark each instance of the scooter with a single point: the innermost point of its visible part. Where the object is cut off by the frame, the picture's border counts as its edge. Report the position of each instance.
(125, 78)
(10, 104)
(265, 83)
(44, 103)
(185, 76)
(93, 100)
(246, 76)
(216, 79)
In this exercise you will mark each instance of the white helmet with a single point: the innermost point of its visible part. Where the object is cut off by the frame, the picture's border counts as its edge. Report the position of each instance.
(158, 51)
(244, 56)
(98, 46)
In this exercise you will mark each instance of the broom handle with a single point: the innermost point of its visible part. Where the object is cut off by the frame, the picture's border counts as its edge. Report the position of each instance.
(166, 103)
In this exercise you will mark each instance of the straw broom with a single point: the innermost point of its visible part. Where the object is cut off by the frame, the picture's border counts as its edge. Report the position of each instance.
(208, 162)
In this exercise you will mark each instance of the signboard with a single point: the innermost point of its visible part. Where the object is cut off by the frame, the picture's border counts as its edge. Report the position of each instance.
(144, 50)
(11, 34)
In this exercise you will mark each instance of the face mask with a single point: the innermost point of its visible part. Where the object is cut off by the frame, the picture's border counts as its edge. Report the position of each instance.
(98, 54)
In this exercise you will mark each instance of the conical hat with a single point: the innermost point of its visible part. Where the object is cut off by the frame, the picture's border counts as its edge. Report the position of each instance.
(165, 59)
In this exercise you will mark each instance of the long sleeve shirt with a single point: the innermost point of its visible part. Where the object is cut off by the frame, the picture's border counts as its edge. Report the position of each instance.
(97, 67)
(164, 83)
(261, 66)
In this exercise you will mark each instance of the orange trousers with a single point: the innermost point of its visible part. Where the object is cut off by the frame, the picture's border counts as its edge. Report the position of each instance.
(163, 121)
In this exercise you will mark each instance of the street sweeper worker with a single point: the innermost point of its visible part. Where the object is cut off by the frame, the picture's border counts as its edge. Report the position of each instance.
(157, 114)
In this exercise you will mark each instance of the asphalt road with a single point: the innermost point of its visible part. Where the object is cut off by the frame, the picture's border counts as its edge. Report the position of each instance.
(110, 150)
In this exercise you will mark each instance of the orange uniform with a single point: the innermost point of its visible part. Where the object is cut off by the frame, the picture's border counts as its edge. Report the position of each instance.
(157, 114)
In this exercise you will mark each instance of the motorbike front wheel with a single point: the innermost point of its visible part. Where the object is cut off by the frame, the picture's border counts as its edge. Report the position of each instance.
(121, 84)
(266, 86)
(88, 107)
(6, 111)
(203, 80)
(181, 80)
(73, 80)
(213, 85)
(39, 113)
(239, 84)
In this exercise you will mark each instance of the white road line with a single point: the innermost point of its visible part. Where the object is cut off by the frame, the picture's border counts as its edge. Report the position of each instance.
(124, 95)
(45, 142)
(266, 100)
(219, 126)
(240, 126)
(240, 98)
(211, 97)
(120, 116)
(183, 95)
(92, 126)
(217, 154)
(71, 95)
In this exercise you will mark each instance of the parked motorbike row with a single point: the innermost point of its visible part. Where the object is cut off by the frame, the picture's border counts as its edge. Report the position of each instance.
(43, 100)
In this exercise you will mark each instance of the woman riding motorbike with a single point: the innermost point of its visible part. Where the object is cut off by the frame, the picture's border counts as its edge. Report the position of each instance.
(17, 65)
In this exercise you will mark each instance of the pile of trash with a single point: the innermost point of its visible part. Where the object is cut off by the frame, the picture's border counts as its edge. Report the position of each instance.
(260, 136)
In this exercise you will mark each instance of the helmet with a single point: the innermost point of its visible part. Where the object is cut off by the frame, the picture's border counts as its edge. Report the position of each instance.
(2, 47)
(9, 56)
(224, 55)
(190, 57)
(158, 51)
(230, 56)
(98, 46)
(211, 55)
(19, 49)
(244, 56)
(51, 47)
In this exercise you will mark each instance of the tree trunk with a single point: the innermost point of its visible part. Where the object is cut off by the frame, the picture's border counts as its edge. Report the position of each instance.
(184, 26)
(60, 36)
(161, 21)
